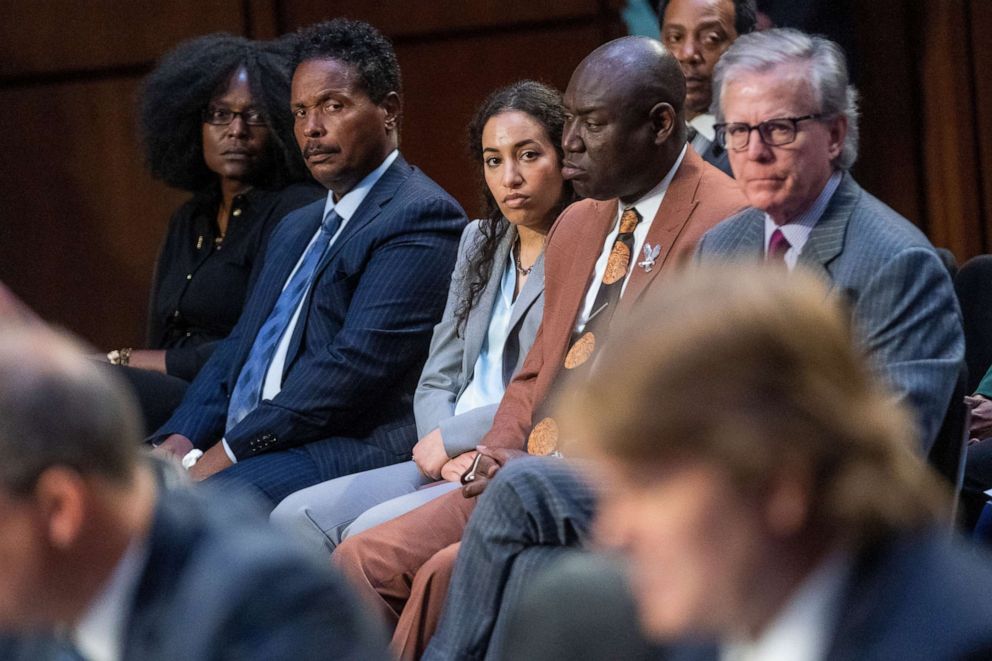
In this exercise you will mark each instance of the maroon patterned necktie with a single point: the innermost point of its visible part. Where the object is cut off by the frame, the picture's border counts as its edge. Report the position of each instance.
(778, 245)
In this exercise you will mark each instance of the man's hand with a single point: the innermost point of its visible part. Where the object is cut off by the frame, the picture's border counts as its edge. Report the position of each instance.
(492, 460)
(213, 461)
(981, 417)
(175, 446)
(429, 454)
(452, 471)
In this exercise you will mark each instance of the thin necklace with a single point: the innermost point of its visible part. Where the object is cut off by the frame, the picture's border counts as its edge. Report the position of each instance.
(516, 260)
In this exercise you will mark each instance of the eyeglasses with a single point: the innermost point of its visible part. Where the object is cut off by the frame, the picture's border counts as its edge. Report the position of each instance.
(224, 116)
(774, 132)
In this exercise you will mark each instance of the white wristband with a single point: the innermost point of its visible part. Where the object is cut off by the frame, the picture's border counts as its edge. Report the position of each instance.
(191, 457)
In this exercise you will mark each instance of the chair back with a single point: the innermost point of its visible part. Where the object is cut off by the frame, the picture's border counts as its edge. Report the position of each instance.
(973, 284)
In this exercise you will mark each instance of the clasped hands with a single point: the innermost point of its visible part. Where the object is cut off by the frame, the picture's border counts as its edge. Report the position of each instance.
(433, 461)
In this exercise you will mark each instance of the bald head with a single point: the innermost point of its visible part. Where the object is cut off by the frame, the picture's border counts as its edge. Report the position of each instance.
(638, 70)
(625, 125)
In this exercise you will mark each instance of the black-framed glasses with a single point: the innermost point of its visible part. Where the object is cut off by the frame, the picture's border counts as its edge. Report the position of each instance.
(774, 132)
(224, 116)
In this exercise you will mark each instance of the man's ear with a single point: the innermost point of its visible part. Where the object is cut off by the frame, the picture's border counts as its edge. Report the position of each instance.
(61, 495)
(663, 122)
(838, 133)
(392, 108)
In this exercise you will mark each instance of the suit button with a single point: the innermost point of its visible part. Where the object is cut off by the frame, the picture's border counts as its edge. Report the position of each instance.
(236, 213)
(189, 276)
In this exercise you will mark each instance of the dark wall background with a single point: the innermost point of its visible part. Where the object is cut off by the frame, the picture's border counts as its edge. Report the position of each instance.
(80, 219)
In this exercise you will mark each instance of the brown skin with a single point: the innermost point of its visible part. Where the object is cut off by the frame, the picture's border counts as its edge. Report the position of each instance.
(342, 133)
(624, 128)
(235, 153)
(698, 32)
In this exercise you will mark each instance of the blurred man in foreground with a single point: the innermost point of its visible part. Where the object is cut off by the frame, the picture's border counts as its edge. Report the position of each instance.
(758, 481)
(94, 564)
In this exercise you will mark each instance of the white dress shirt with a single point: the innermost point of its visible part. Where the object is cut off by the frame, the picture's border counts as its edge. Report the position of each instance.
(99, 635)
(486, 386)
(345, 208)
(802, 630)
(704, 127)
(797, 230)
(647, 206)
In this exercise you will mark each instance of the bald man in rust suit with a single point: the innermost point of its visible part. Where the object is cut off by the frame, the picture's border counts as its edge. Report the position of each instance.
(651, 198)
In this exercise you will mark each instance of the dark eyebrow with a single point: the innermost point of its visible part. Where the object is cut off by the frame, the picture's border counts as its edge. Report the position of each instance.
(518, 145)
(712, 23)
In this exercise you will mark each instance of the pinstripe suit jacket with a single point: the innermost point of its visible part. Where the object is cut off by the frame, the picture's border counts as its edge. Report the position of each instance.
(451, 363)
(362, 334)
(901, 297)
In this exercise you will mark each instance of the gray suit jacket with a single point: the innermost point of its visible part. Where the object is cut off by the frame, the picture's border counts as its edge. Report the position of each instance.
(451, 362)
(901, 297)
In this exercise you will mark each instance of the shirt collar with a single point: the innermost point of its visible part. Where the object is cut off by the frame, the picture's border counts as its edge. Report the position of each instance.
(99, 635)
(648, 205)
(798, 229)
(350, 201)
(704, 125)
(801, 629)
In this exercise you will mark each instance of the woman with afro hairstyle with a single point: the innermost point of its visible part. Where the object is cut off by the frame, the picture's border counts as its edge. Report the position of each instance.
(214, 120)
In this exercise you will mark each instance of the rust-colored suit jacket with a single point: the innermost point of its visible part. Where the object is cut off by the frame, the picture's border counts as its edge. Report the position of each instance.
(698, 198)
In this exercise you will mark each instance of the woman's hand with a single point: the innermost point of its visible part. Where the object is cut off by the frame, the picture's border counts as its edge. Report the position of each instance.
(429, 454)
(148, 359)
(453, 470)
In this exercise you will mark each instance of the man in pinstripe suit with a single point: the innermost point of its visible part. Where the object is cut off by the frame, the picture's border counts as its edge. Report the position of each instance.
(789, 121)
(317, 378)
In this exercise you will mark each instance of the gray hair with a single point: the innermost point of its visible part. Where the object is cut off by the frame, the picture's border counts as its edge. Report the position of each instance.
(59, 408)
(762, 51)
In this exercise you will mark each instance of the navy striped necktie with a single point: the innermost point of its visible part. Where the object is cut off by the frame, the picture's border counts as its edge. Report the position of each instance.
(248, 389)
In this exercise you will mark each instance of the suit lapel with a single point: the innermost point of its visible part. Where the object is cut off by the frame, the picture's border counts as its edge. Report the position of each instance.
(673, 214)
(582, 264)
(531, 290)
(826, 241)
(366, 212)
(370, 207)
(477, 325)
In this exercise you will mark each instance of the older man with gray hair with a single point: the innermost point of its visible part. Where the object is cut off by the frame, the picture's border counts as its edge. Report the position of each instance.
(789, 121)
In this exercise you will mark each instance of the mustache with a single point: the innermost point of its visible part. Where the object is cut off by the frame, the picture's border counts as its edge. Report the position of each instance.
(312, 148)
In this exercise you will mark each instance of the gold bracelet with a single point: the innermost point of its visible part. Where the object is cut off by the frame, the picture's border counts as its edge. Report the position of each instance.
(119, 356)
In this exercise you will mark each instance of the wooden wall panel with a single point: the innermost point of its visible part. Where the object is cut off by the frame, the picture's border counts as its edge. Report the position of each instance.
(889, 162)
(405, 18)
(446, 81)
(949, 131)
(82, 219)
(981, 46)
(66, 35)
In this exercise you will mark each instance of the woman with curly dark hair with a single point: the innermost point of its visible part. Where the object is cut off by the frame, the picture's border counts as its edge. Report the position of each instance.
(494, 308)
(215, 121)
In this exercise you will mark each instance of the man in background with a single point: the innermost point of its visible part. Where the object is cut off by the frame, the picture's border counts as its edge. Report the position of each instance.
(697, 33)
